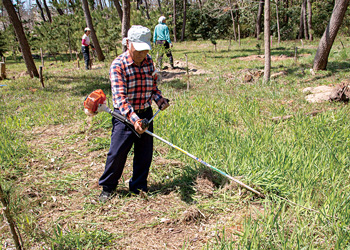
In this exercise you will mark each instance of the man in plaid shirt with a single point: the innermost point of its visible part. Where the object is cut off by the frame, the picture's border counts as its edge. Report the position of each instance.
(133, 89)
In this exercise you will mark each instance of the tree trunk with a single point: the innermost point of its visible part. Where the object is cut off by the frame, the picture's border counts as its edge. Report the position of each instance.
(2, 19)
(56, 5)
(200, 4)
(278, 24)
(286, 6)
(99, 5)
(233, 20)
(184, 21)
(138, 4)
(306, 36)
(309, 19)
(301, 23)
(329, 35)
(119, 9)
(41, 10)
(47, 11)
(147, 10)
(239, 34)
(103, 4)
(258, 19)
(69, 42)
(174, 20)
(73, 6)
(17, 8)
(9, 219)
(267, 69)
(126, 20)
(21, 37)
(92, 4)
(160, 8)
(89, 24)
(238, 25)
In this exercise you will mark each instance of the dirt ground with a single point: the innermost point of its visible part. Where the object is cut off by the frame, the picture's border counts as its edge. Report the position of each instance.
(63, 188)
(273, 58)
(179, 71)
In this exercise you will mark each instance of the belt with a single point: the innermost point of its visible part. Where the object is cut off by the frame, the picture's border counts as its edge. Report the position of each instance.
(140, 111)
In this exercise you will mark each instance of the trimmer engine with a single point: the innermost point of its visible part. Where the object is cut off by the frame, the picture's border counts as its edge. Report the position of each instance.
(92, 102)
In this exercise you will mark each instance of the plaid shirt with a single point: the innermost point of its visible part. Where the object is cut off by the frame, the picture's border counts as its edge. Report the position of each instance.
(133, 87)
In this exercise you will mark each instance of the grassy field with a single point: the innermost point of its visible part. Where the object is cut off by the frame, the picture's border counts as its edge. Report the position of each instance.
(51, 156)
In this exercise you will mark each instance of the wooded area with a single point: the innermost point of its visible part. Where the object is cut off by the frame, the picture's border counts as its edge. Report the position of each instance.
(57, 27)
(285, 133)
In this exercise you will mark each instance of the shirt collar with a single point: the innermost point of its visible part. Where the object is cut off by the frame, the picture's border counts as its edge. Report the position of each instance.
(130, 61)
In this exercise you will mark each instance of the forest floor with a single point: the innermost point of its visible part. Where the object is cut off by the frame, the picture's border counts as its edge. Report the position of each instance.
(66, 190)
(53, 156)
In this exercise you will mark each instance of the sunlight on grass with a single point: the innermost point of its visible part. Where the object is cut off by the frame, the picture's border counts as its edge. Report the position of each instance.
(222, 120)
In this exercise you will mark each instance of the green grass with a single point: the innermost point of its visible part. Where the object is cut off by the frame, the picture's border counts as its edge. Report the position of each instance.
(227, 123)
(81, 239)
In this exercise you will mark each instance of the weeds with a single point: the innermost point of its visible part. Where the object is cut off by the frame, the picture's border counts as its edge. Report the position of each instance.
(81, 239)
(222, 120)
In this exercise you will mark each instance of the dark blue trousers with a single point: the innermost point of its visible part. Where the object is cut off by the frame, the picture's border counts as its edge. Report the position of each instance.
(122, 140)
(86, 54)
(168, 51)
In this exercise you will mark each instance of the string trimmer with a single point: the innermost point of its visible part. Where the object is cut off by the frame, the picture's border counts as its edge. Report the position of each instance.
(96, 102)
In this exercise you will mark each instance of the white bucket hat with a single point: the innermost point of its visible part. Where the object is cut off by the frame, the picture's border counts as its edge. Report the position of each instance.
(87, 29)
(161, 19)
(140, 37)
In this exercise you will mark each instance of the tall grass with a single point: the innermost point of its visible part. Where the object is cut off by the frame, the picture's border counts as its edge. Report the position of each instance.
(225, 122)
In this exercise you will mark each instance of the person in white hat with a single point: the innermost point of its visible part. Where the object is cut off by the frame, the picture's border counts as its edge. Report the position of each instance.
(85, 43)
(161, 36)
(133, 88)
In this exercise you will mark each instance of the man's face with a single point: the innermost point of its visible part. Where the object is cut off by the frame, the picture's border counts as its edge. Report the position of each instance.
(137, 56)
(88, 32)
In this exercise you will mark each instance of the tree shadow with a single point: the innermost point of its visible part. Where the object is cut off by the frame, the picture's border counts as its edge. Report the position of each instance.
(335, 67)
(175, 84)
(84, 84)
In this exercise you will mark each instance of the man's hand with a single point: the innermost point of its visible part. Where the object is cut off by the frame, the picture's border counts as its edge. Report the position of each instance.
(171, 45)
(138, 127)
(163, 104)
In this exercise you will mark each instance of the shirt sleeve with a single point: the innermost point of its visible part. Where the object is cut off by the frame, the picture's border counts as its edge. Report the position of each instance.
(119, 92)
(83, 42)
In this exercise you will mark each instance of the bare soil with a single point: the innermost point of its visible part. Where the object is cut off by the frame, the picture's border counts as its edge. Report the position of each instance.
(339, 92)
(180, 70)
(273, 58)
(62, 187)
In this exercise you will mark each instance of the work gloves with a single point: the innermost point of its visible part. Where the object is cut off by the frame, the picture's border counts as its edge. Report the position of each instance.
(163, 103)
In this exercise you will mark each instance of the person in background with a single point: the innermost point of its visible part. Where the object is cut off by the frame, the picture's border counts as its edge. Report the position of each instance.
(161, 36)
(133, 89)
(85, 43)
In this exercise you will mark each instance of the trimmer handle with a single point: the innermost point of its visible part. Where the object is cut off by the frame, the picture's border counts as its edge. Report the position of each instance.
(167, 100)
(144, 123)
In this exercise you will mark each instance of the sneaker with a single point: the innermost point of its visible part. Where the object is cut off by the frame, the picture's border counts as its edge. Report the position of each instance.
(105, 196)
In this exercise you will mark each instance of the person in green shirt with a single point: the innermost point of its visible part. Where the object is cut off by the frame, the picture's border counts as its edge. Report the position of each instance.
(161, 36)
